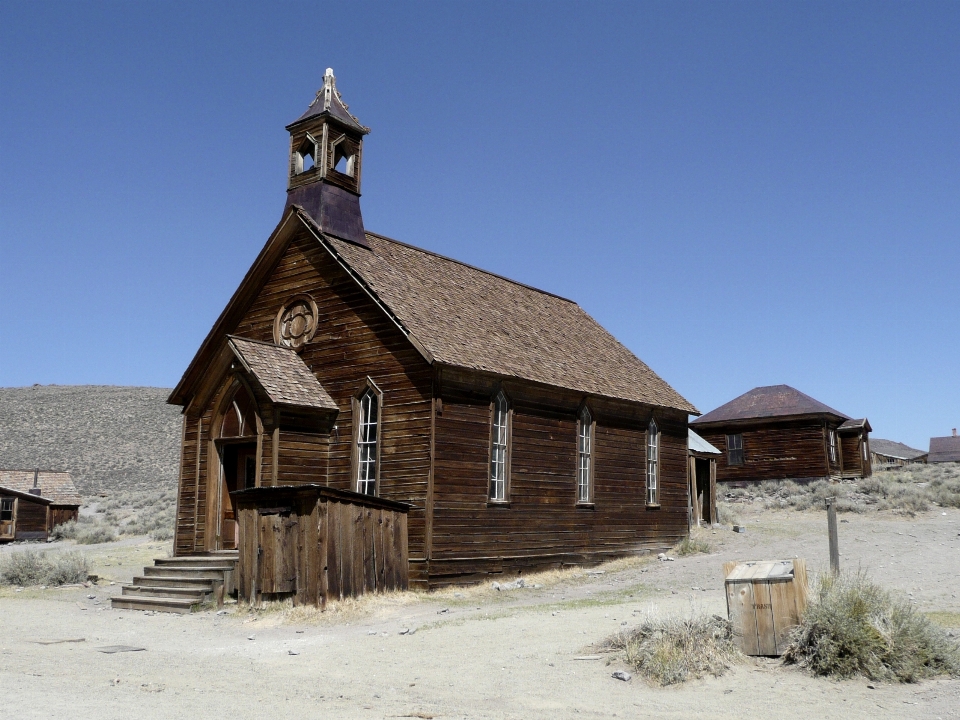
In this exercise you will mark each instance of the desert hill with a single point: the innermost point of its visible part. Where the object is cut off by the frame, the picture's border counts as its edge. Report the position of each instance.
(108, 437)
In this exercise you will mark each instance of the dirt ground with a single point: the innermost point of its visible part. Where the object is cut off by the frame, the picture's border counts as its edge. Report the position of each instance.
(475, 652)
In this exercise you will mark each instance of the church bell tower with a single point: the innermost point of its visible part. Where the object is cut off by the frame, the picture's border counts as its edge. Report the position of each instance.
(326, 151)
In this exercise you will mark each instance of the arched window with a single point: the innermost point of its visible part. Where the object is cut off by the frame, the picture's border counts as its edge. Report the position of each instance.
(585, 457)
(368, 435)
(499, 442)
(653, 463)
(239, 418)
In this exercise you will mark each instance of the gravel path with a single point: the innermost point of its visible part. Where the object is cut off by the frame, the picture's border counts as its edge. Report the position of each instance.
(475, 653)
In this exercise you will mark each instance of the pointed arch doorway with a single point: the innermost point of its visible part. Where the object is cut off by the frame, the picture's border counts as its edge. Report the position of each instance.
(237, 437)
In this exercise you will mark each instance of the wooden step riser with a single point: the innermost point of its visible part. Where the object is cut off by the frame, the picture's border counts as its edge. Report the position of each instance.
(172, 582)
(226, 564)
(132, 603)
(166, 592)
(196, 573)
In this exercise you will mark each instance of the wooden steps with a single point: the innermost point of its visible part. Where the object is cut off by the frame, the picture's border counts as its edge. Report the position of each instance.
(180, 584)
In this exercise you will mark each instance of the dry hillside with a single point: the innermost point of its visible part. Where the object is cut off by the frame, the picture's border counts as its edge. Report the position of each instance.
(108, 437)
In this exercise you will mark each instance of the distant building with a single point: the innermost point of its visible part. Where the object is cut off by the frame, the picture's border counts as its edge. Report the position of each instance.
(944, 449)
(33, 502)
(886, 454)
(779, 433)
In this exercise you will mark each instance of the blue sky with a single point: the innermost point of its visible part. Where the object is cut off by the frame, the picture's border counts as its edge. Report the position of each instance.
(743, 193)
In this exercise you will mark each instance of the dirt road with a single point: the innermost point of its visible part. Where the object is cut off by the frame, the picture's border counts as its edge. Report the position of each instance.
(475, 653)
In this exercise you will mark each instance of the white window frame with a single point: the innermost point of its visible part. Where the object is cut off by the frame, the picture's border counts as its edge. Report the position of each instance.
(653, 464)
(585, 443)
(500, 431)
(833, 447)
(367, 406)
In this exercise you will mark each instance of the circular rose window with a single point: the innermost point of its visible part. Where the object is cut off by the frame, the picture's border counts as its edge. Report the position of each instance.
(296, 323)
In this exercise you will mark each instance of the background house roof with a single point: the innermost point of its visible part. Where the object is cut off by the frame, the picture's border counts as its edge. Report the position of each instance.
(769, 402)
(944, 449)
(695, 443)
(56, 486)
(281, 373)
(891, 448)
(474, 319)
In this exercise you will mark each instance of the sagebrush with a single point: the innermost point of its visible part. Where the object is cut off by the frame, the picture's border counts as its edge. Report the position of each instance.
(670, 650)
(907, 490)
(852, 626)
(35, 567)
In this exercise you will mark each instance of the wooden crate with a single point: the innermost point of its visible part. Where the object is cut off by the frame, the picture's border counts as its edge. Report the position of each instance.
(765, 600)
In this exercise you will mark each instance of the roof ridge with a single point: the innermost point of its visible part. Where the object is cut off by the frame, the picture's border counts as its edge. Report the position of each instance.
(472, 267)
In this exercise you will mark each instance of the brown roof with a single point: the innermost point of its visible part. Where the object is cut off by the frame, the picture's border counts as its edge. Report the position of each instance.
(56, 486)
(281, 373)
(461, 316)
(891, 448)
(944, 449)
(474, 319)
(768, 402)
(859, 424)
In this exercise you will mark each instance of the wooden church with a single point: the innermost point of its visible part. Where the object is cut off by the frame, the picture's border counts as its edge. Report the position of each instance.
(515, 431)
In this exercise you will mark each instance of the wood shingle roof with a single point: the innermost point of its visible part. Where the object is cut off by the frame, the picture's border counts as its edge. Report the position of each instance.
(944, 449)
(470, 318)
(282, 374)
(57, 487)
(891, 448)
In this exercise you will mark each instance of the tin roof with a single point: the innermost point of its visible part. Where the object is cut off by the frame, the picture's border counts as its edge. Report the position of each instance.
(768, 402)
(695, 443)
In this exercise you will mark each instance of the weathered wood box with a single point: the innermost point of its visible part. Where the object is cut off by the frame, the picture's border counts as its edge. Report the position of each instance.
(765, 600)
(315, 543)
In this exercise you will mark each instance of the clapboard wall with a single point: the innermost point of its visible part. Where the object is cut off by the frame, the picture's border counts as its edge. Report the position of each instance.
(542, 525)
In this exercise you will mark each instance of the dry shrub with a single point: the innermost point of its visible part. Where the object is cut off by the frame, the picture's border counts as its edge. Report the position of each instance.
(691, 545)
(726, 515)
(855, 627)
(673, 650)
(32, 567)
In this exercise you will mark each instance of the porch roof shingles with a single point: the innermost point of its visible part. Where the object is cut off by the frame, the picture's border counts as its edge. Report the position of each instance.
(281, 373)
(470, 318)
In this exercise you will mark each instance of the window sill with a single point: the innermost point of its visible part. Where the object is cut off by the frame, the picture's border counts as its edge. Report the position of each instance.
(586, 505)
(498, 503)
(653, 506)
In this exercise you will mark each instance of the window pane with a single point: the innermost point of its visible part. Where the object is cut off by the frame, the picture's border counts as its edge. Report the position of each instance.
(367, 445)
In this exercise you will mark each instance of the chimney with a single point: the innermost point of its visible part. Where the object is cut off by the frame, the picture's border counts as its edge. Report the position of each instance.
(954, 432)
(36, 476)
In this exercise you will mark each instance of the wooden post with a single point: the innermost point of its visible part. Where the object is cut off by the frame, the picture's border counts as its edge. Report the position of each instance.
(832, 531)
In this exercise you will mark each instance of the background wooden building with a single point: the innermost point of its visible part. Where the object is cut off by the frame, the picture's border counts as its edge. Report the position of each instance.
(777, 432)
(520, 433)
(33, 502)
(886, 454)
(944, 449)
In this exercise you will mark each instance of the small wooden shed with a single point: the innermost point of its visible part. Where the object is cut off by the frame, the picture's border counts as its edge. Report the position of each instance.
(33, 502)
(315, 543)
(702, 462)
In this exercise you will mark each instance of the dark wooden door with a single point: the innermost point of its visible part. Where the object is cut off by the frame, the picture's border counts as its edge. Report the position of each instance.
(277, 551)
(239, 472)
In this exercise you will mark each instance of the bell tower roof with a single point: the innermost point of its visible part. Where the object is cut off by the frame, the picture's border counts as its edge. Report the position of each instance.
(329, 102)
(326, 160)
